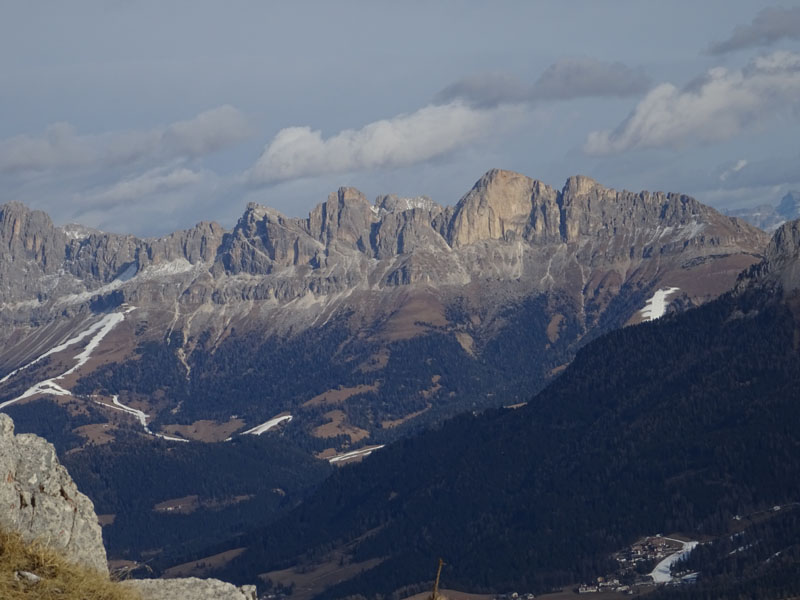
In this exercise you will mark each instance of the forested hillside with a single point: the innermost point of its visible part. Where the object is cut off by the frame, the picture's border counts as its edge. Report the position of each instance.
(676, 425)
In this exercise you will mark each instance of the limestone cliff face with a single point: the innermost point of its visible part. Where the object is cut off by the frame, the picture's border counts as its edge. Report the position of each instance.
(504, 205)
(33, 251)
(783, 255)
(29, 237)
(509, 238)
(343, 221)
(504, 222)
(39, 499)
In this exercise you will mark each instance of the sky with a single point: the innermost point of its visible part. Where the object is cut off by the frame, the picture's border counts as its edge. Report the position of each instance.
(147, 117)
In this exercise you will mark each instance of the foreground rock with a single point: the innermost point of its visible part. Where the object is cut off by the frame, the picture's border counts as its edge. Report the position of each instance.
(190, 588)
(39, 499)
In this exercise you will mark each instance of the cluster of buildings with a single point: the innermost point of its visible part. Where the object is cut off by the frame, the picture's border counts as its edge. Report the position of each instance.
(634, 565)
(646, 551)
(515, 596)
(606, 585)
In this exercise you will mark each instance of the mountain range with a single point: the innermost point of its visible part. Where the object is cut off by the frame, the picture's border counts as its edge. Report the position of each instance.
(365, 281)
(317, 341)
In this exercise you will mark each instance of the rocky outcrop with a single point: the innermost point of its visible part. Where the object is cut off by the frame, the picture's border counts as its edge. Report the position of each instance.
(190, 588)
(39, 499)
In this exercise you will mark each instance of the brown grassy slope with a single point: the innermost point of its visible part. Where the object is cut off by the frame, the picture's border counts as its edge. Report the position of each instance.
(60, 579)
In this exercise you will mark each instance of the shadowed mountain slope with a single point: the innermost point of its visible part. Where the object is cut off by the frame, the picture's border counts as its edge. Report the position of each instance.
(676, 425)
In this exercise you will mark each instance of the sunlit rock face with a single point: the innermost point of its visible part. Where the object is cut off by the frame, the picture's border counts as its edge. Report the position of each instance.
(385, 271)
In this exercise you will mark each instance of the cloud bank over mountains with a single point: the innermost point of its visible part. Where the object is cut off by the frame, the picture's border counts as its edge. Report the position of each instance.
(465, 111)
(713, 108)
(284, 115)
(62, 147)
(400, 141)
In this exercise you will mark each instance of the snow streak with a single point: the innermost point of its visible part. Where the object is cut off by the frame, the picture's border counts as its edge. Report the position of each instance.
(97, 331)
(656, 305)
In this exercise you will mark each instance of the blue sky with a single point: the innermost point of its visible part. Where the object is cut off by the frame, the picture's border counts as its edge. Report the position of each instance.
(145, 117)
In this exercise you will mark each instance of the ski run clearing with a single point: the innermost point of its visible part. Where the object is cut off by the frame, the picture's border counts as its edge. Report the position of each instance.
(140, 416)
(340, 458)
(267, 425)
(662, 574)
(656, 305)
(96, 332)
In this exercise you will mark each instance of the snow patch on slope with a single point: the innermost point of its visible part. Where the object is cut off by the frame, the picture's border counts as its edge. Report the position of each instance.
(354, 454)
(691, 230)
(91, 330)
(102, 290)
(656, 305)
(267, 425)
(97, 331)
(173, 267)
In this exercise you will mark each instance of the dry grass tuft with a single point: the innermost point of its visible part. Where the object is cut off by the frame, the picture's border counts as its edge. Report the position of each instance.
(60, 579)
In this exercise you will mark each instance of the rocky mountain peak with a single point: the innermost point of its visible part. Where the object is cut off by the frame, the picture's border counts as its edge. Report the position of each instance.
(580, 185)
(781, 264)
(499, 206)
(789, 207)
(349, 195)
(31, 236)
(343, 220)
(76, 231)
(769, 217)
(195, 245)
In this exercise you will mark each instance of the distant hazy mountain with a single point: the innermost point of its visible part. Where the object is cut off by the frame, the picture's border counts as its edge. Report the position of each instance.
(769, 217)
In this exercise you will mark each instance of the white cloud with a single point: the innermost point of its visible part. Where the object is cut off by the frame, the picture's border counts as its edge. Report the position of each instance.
(713, 108)
(738, 166)
(403, 140)
(61, 147)
(772, 170)
(770, 25)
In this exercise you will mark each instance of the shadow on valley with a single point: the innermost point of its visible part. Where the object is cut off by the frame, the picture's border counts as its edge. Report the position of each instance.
(676, 425)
